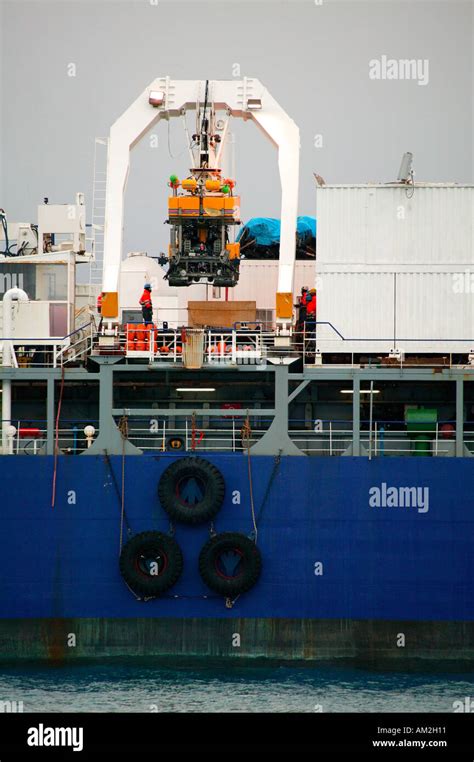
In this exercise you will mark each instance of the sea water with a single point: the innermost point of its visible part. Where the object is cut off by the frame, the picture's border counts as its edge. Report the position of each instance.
(208, 687)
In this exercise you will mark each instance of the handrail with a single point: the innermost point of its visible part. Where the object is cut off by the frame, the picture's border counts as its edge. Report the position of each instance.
(76, 330)
(332, 441)
(393, 339)
(50, 339)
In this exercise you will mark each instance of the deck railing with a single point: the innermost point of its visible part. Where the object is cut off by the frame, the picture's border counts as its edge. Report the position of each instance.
(29, 436)
(210, 434)
(251, 344)
(50, 353)
(219, 347)
(329, 438)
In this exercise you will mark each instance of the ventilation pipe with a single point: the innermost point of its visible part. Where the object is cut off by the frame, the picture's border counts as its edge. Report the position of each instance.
(12, 295)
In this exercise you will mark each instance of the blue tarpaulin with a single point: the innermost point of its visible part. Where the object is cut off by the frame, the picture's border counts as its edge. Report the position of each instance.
(306, 227)
(266, 230)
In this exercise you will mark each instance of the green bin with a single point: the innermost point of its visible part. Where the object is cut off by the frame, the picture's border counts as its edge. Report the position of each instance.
(421, 428)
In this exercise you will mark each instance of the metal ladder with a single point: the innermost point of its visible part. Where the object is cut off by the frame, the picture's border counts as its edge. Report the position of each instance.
(98, 212)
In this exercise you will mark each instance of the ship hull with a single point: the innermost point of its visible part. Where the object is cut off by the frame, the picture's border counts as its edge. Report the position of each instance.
(344, 575)
(368, 643)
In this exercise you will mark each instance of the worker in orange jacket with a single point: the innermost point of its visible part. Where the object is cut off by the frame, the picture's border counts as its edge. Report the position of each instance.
(146, 304)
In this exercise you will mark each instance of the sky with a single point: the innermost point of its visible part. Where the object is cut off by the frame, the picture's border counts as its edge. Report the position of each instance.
(69, 69)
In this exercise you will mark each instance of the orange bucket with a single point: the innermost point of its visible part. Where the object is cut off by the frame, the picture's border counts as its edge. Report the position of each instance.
(130, 336)
(141, 345)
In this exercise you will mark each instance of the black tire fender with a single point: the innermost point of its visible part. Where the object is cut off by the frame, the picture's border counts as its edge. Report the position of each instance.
(230, 564)
(151, 563)
(205, 490)
(175, 443)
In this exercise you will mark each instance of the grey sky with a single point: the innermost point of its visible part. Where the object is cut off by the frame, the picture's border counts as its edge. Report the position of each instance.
(313, 58)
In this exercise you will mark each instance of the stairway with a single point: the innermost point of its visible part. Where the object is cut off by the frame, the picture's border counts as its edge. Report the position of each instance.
(98, 210)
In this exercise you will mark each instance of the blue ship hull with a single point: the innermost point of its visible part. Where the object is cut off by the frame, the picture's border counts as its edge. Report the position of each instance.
(378, 563)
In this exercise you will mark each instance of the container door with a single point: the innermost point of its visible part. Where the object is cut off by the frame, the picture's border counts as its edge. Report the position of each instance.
(58, 319)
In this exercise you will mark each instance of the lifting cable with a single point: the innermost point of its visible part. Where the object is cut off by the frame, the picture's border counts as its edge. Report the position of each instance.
(56, 439)
(246, 433)
(206, 92)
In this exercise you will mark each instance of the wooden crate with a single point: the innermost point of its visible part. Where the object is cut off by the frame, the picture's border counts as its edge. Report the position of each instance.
(220, 314)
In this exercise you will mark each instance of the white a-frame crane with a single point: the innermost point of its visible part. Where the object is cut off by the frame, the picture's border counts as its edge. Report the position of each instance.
(166, 98)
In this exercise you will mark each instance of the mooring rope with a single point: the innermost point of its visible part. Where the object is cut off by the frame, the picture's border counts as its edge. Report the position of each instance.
(123, 428)
(56, 439)
(246, 433)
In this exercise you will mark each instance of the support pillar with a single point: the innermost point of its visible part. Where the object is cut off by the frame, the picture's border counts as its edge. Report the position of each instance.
(459, 417)
(109, 439)
(6, 410)
(50, 415)
(276, 439)
(356, 416)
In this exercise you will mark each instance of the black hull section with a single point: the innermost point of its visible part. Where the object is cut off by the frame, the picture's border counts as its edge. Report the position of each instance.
(368, 643)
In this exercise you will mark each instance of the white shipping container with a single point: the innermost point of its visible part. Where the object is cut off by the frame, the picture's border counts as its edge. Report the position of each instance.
(258, 281)
(394, 268)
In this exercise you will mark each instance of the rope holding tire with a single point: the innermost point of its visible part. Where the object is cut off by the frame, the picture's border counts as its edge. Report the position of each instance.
(151, 563)
(230, 564)
(191, 490)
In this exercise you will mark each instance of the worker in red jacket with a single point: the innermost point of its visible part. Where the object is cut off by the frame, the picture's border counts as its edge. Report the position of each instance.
(311, 306)
(310, 319)
(302, 307)
(310, 324)
(99, 310)
(146, 304)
